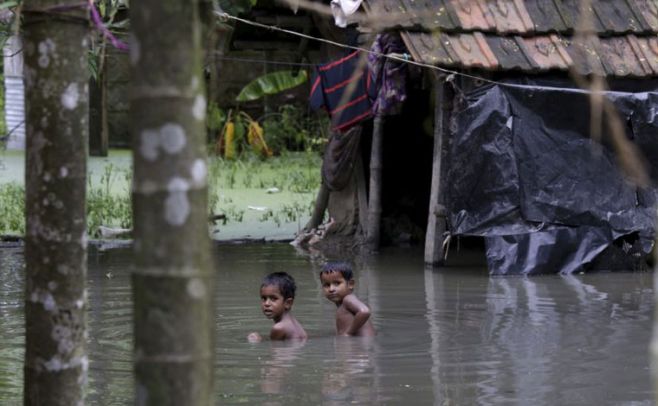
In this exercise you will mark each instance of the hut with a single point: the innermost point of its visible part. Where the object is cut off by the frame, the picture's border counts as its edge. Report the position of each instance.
(544, 111)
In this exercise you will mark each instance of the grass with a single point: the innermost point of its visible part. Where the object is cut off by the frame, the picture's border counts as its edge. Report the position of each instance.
(240, 189)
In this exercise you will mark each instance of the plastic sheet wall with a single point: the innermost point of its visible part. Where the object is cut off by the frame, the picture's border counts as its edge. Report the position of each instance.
(525, 174)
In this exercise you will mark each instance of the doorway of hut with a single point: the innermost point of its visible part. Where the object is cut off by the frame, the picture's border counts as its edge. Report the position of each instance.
(406, 168)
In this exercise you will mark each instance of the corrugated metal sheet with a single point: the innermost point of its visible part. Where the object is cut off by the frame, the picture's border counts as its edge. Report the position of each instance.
(531, 35)
(15, 112)
(14, 94)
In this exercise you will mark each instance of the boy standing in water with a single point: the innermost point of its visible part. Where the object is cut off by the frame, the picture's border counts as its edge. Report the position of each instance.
(277, 293)
(352, 315)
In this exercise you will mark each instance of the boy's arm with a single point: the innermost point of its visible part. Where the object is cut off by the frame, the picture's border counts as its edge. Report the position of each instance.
(360, 311)
(278, 332)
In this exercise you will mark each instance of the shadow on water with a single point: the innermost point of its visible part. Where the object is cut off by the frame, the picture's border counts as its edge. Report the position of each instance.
(454, 336)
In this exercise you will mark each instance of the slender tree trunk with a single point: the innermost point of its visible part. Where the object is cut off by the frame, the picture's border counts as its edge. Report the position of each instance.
(321, 202)
(57, 104)
(172, 284)
(375, 195)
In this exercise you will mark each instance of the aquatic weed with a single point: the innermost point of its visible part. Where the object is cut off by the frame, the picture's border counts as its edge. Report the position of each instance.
(12, 209)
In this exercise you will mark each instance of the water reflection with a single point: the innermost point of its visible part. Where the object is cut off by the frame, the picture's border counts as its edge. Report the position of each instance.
(541, 340)
(454, 336)
(277, 369)
(350, 378)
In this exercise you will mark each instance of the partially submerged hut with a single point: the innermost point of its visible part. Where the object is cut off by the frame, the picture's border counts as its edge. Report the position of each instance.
(544, 111)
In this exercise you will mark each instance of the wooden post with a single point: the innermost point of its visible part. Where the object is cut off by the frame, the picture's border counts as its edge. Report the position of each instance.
(375, 200)
(362, 194)
(436, 221)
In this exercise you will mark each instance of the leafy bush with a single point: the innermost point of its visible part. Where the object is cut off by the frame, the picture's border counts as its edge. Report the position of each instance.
(292, 129)
(106, 207)
(12, 209)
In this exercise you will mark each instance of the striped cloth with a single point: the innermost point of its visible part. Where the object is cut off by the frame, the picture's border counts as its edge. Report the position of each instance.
(331, 81)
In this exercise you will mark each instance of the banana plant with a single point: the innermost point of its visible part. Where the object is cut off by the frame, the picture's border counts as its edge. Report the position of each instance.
(271, 83)
(240, 133)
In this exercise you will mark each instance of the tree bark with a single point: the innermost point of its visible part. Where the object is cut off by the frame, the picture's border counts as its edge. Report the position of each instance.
(375, 195)
(57, 106)
(321, 202)
(172, 282)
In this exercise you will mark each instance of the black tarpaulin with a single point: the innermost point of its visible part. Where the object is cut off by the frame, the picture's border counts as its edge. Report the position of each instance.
(525, 174)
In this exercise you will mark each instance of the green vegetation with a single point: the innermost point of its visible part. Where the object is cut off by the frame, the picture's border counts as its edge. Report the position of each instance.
(253, 193)
(271, 83)
(291, 128)
(12, 208)
(105, 205)
(272, 192)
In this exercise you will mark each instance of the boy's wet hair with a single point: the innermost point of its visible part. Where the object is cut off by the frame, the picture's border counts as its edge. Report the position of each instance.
(283, 281)
(343, 267)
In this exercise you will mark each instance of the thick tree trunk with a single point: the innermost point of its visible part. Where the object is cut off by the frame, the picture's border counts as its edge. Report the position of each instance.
(375, 195)
(172, 283)
(57, 104)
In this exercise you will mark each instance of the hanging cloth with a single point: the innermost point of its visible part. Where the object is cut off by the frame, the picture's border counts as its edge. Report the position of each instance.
(389, 75)
(342, 10)
(343, 91)
(339, 158)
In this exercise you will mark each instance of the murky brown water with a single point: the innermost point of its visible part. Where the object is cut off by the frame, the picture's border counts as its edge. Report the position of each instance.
(454, 337)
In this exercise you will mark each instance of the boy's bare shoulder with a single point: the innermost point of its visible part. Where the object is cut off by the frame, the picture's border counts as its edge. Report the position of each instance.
(354, 305)
(287, 329)
(281, 330)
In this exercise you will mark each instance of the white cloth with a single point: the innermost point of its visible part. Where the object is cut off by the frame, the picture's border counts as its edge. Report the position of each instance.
(342, 9)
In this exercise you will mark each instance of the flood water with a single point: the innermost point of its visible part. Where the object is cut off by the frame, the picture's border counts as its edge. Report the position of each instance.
(449, 337)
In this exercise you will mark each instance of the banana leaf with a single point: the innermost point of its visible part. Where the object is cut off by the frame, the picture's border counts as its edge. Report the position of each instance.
(8, 4)
(271, 83)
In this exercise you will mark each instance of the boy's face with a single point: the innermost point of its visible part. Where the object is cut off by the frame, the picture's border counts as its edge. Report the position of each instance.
(335, 287)
(272, 302)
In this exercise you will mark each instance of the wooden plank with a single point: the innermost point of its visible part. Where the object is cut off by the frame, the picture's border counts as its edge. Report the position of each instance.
(436, 219)
(375, 201)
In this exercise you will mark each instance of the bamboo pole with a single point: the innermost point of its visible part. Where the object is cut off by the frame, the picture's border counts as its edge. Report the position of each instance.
(375, 201)
(436, 220)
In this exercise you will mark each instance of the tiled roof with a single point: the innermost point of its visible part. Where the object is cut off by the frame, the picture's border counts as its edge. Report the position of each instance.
(530, 35)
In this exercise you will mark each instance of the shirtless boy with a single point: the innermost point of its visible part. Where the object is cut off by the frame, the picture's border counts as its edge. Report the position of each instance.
(352, 315)
(277, 293)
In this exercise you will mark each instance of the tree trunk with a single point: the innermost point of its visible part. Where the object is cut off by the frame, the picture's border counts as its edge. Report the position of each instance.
(98, 132)
(375, 195)
(172, 282)
(57, 105)
(321, 202)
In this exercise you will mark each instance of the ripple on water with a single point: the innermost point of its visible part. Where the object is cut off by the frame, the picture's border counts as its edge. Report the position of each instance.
(449, 337)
